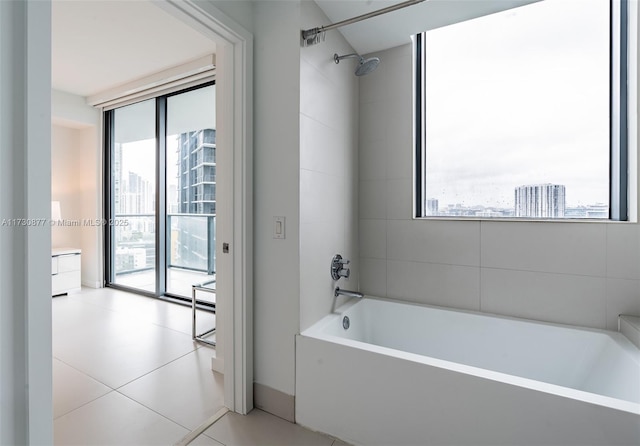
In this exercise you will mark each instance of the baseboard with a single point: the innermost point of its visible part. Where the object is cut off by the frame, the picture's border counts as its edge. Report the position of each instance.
(217, 364)
(275, 402)
(91, 284)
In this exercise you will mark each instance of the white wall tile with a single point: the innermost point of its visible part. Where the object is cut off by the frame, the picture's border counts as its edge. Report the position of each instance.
(373, 277)
(449, 242)
(319, 242)
(399, 153)
(623, 251)
(321, 148)
(332, 104)
(316, 87)
(561, 298)
(373, 199)
(623, 297)
(320, 199)
(570, 248)
(399, 114)
(435, 284)
(373, 86)
(373, 122)
(373, 239)
(329, 165)
(399, 199)
(373, 160)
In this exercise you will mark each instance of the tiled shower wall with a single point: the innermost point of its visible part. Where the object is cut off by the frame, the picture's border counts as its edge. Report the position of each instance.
(328, 168)
(572, 273)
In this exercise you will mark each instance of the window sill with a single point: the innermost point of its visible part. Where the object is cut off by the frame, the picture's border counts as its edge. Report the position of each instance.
(526, 220)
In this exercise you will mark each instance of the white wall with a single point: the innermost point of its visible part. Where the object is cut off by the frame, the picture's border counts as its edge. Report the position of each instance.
(76, 180)
(276, 191)
(26, 414)
(575, 273)
(64, 188)
(328, 168)
(305, 169)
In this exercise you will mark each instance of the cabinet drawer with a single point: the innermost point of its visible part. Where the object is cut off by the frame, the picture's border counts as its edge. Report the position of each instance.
(54, 265)
(68, 263)
(63, 282)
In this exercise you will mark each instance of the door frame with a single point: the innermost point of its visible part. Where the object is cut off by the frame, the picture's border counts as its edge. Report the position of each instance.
(234, 129)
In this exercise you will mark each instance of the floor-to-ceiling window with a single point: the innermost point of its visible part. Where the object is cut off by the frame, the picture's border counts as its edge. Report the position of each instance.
(161, 194)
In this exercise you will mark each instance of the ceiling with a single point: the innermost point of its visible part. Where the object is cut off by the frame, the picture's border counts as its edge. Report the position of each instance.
(396, 28)
(101, 44)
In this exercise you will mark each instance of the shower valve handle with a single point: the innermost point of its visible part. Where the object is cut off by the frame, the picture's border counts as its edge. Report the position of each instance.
(337, 267)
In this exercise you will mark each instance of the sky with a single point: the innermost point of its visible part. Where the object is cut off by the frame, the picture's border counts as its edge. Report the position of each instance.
(135, 130)
(519, 97)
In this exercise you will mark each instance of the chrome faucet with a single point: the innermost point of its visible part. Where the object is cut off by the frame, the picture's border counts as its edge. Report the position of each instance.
(347, 293)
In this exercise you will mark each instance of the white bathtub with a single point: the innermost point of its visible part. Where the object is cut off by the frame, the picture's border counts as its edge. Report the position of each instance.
(406, 374)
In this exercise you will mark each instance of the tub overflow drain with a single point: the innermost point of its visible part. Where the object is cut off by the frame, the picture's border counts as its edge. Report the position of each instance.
(345, 322)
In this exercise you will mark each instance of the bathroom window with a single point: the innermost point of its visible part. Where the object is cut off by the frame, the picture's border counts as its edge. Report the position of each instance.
(522, 114)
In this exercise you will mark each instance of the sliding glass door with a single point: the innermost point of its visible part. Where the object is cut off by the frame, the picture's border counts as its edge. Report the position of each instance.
(161, 194)
(191, 189)
(133, 218)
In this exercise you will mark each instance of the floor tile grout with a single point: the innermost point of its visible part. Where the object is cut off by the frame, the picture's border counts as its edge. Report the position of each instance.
(156, 369)
(146, 399)
(153, 410)
(84, 404)
(111, 312)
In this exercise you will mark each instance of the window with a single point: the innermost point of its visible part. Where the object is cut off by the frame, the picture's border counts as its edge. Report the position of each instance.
(161, 193)
(522, 114)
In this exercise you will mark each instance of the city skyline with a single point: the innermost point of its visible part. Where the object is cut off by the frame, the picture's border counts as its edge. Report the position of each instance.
(519, 97)
(546, 201)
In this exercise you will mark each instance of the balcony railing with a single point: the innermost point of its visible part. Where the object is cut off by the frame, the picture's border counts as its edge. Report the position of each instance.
(190, 242)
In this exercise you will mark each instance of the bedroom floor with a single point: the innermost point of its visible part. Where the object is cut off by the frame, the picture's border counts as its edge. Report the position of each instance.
(125, 371)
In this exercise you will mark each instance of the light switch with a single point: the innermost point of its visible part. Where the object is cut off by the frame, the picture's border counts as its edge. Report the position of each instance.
(278, 227)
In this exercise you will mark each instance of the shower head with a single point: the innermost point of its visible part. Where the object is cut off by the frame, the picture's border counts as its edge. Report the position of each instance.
(365, 66)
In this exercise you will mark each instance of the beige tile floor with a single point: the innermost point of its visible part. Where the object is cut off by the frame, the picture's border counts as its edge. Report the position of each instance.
(126, 372)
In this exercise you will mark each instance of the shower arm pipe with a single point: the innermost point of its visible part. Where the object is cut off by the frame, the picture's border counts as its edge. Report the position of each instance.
(311, 33)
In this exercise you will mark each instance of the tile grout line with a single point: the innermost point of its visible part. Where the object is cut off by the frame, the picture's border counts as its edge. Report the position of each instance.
(111, 389)
(84, 404)
(118, 389)
(156, 369)
(203, 427)
(166, 417)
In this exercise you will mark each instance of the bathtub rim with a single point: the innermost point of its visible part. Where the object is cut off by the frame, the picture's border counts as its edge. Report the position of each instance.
(316, 331)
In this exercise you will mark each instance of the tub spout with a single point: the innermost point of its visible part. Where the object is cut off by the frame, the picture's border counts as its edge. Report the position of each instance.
(339, 292)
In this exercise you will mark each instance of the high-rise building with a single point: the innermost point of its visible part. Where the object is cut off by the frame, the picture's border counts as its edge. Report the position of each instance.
(193, 236)
(540, 201)
(197, 172)
(432, 206)
(132, 193)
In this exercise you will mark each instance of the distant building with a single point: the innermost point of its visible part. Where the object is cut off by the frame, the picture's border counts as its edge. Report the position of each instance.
(432, 206)
(193, 236)
(132, 193)
(197, 172)
(598, 210)
(540, 201)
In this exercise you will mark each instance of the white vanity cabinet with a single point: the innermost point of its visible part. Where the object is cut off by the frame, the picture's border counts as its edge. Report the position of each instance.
(65, 270)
